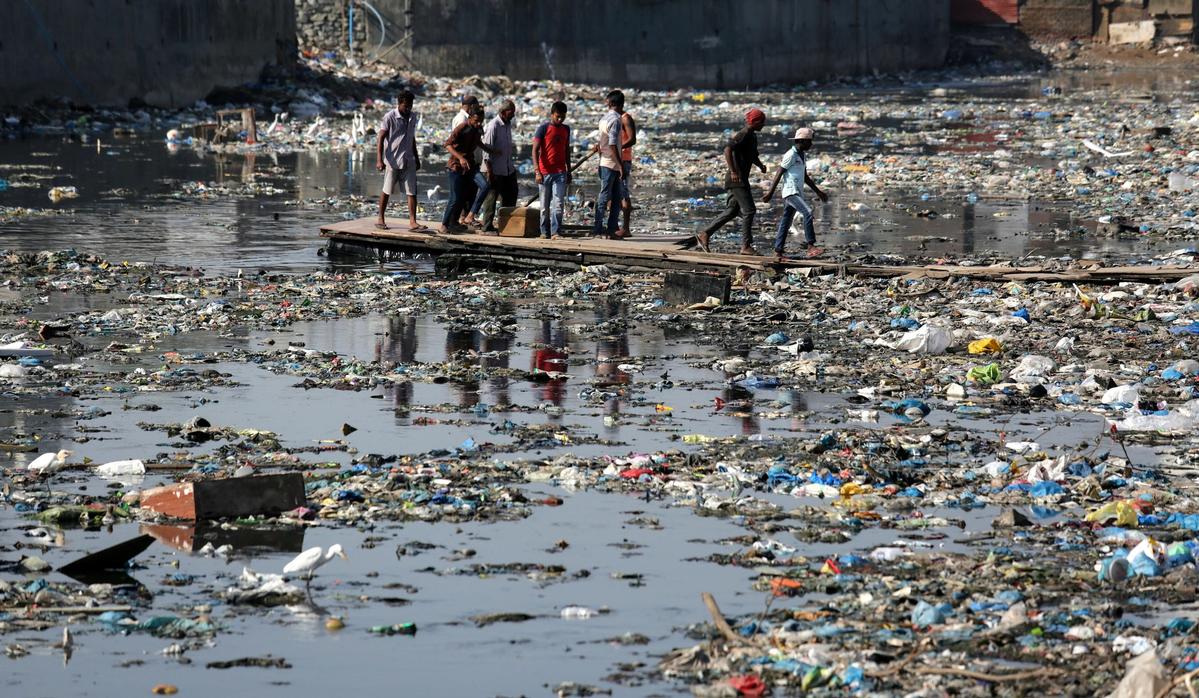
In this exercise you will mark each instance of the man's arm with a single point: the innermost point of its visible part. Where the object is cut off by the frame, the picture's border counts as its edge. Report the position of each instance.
(488, 148)
(537, 160)
(614, 145)
(449, 145)
(774, 183)
(632, 132)
(809, 181)
(734, 176)
(379, 150)
(758, 162)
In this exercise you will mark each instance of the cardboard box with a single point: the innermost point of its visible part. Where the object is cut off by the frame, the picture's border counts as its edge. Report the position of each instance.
(519, 222)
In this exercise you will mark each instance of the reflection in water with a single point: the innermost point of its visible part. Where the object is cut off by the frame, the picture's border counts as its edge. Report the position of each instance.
(398, 347)
(610, 349)
(496, 356)
(550, 358)
(798, 403)
(737, 400)
(243, 540)
(462, 347)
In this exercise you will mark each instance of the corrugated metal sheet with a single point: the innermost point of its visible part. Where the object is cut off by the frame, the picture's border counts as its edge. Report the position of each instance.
(984, 11)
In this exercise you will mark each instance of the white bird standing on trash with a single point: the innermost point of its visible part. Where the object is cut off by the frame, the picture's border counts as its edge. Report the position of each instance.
(49, 462)
(307, 562)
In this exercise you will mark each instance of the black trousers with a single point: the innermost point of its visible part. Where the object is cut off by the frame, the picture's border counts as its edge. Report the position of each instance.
(740, 203)
(504, 188)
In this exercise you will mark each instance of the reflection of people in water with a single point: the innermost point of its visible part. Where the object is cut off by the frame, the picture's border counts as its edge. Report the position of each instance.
(463, 341)
(399, 346)
(500, 344)
(609, 349)
(550, 357)
(799, 405)
(738, 400)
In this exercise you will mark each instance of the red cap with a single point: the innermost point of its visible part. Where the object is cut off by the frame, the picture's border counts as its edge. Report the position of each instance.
(755, 116)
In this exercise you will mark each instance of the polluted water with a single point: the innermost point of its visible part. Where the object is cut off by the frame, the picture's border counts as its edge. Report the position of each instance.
(234, 463)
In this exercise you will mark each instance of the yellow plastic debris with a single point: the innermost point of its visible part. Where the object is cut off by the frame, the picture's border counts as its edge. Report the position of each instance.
(988, 345)
(1118, 513)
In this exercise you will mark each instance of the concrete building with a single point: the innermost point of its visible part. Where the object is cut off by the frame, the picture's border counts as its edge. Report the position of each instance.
(650, 43)
(162, 52)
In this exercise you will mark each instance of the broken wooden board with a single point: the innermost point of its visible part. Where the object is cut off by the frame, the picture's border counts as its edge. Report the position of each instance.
(114, 557)
(227, 498)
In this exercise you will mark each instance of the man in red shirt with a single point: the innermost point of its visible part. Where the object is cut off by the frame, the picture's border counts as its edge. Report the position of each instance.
(551, 157)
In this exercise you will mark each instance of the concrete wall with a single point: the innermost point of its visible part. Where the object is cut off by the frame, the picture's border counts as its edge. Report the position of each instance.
(667, 43)
(163, 52)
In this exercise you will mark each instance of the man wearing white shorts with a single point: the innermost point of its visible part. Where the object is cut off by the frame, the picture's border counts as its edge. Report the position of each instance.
(396, 154)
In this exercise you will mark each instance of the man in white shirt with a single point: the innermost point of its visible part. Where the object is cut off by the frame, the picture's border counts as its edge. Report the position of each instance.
(793, 170)
(610, 172)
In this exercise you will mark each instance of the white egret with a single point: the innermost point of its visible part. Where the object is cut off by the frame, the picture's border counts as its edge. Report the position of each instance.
(307, 562)
(48, 462)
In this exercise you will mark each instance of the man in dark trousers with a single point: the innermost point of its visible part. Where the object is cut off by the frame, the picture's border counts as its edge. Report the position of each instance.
(740, 153)
(498, 167)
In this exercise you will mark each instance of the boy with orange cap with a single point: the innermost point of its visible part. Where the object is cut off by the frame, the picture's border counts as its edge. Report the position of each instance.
(740, 153)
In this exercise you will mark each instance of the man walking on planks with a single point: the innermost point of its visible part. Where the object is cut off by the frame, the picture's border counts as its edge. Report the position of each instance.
(740, 153)
(551, 160)
(479, 188)
(498, 168)
(396, 153)
(462, 168)
(793, 170)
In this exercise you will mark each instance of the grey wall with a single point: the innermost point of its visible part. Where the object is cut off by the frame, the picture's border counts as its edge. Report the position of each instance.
(667, 43)
(164, 52)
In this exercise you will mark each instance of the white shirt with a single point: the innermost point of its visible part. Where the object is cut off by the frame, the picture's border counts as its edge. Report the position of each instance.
(795, 169)
(609, 128)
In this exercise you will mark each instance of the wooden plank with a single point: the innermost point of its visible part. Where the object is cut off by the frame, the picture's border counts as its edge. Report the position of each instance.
(665, 253)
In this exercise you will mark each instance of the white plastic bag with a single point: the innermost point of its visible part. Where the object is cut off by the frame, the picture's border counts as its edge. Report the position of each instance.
(928, 339)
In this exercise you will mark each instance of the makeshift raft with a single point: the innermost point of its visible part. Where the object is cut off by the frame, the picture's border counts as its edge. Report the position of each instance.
(672, 253)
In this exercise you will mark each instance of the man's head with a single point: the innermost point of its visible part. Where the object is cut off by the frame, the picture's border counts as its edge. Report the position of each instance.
(404, 101)
(615, 100)
(803, 139)
(558, 112)
(469, 101)
(507, 111)
(475, 115)
(755, 119)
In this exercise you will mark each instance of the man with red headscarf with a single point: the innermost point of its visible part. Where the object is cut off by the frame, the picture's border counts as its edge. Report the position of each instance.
(740, 153)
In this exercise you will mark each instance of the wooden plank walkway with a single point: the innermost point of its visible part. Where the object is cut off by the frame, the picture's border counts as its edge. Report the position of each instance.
(665, 253)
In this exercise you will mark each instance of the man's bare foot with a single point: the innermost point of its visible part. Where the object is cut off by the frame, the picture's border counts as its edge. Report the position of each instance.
(749, 252)
(779, 258)
(380, 224)
(702, 241)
